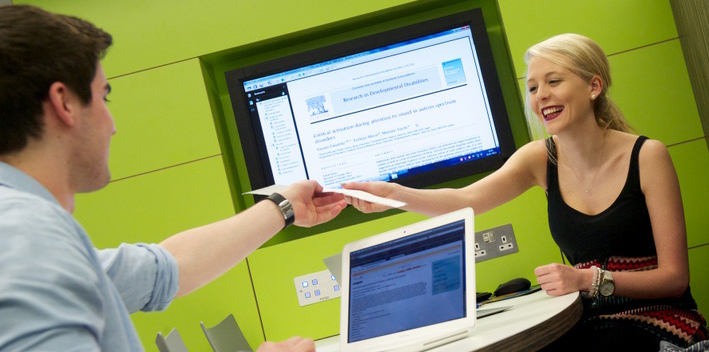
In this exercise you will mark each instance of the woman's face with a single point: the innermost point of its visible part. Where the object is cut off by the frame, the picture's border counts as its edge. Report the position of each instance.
(558, 96)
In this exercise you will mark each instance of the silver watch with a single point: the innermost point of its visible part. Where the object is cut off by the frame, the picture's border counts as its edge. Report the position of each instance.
(607, 286)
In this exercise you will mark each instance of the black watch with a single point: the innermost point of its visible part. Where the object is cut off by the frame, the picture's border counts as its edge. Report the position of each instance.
(284, 206)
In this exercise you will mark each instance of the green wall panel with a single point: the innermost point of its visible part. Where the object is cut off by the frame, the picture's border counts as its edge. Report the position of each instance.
(615, 25)
(692, 164)
(156, 205)
(699, 277)
(651, 86)
(274, 268)
(162, 119)
(153, 33)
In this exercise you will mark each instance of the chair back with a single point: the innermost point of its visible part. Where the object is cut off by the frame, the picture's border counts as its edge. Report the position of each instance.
(172, 343)
(226, 336)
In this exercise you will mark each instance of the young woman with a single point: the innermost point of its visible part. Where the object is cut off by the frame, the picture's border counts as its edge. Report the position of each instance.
(614, 204)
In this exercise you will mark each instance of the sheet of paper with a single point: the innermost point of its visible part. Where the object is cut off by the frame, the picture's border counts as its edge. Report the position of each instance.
(367, 196)
(348, 192)
(267, 191)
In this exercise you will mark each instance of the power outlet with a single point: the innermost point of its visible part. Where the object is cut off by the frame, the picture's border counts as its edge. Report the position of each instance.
(495, 242)
(316, 287)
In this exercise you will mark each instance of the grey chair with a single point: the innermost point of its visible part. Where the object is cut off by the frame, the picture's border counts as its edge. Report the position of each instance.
(172, 343)
(226, 336)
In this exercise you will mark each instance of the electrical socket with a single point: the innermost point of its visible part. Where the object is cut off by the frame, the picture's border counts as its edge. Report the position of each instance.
(316, 287)
(495, 242)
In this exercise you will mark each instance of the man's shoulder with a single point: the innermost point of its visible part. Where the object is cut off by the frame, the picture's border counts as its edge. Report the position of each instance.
(30, 220)
(23, 206)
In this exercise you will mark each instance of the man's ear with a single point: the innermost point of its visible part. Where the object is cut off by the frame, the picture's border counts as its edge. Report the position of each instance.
(64, 103)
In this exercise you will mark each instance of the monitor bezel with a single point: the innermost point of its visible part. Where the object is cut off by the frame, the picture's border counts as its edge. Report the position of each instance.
(254, 148)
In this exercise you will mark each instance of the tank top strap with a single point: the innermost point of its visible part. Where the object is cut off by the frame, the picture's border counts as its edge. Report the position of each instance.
(551, 165)
(634, 170)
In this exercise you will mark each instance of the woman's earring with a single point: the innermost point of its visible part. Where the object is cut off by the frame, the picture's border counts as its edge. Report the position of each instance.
(593, 97)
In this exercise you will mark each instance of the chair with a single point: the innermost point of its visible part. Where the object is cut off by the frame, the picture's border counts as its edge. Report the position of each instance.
(172, 343)
(226, 336)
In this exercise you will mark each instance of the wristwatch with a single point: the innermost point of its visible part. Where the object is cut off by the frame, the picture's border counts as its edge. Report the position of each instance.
(607, 286)
(285, 207)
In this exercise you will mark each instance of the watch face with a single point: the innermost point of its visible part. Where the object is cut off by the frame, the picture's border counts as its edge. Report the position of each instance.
(607, 288)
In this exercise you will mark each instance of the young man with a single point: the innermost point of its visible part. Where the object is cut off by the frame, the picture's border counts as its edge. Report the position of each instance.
(56, 291)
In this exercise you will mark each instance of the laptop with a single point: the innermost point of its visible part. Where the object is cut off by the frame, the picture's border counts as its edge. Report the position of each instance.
(410, 289)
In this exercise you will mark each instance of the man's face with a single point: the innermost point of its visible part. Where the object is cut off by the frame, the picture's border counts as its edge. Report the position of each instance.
(94, 129)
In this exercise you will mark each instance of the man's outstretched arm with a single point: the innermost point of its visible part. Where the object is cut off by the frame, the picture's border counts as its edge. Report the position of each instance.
(204, 253)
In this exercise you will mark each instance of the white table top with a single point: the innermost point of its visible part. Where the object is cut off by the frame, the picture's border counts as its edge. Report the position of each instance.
(533, 321)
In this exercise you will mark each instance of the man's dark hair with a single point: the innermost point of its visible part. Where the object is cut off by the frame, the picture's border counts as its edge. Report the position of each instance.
(38, 48)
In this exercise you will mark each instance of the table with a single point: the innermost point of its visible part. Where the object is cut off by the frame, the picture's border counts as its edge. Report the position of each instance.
(534, 321)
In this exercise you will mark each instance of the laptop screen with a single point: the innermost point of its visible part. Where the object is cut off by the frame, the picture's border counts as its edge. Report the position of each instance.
(407, 283)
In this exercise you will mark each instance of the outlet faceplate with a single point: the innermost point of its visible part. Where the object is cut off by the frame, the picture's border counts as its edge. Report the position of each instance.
(495, 242)
(316, 287)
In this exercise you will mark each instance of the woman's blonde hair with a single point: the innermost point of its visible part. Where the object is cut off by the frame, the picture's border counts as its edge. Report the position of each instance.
(584, 57)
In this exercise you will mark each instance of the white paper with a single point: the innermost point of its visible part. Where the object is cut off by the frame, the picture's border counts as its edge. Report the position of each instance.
(348, 192)
(267, 191)
(367, 197)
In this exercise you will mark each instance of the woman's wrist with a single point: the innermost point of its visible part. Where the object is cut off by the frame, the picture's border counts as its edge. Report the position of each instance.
(591, 281)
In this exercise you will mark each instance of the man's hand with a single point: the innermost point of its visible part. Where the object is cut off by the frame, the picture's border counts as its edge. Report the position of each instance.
(379, 188)
(558, 279)
(312, 207)
(294, 344)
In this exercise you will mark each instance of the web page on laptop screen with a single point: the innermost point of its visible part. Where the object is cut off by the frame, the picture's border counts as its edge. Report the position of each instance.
(414, 281)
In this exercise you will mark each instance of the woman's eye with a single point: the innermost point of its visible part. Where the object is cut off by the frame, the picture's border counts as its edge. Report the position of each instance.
(532, 89)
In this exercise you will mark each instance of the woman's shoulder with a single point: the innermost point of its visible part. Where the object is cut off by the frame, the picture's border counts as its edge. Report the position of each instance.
(535, 146)
(533, 151)
(531, 160)
(625, 142)
(653, 153)
(650, 147)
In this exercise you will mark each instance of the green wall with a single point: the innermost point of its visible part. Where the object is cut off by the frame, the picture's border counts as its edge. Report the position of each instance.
(169, 168)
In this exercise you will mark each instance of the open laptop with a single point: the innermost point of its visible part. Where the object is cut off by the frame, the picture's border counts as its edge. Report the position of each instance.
(410, 289)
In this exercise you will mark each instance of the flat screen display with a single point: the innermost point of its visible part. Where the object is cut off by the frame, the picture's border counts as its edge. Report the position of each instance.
(417, 105)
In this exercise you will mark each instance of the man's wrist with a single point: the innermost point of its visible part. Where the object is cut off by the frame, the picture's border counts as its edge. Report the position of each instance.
(285, 207)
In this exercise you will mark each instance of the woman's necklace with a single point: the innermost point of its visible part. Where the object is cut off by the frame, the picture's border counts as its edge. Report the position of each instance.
(588, 188)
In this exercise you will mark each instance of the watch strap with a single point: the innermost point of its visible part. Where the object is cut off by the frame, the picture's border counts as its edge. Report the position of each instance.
(284, 206)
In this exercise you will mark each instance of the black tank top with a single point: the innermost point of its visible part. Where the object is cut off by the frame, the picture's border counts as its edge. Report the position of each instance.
(624, 229)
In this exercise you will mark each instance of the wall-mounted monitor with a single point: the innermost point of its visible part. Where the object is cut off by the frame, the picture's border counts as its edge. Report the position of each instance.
(416, 105)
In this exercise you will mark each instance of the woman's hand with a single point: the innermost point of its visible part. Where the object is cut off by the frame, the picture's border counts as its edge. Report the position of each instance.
(558, 279)
(379, 188)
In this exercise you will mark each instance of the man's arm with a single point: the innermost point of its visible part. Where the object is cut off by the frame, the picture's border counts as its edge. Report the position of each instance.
(206, 252)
